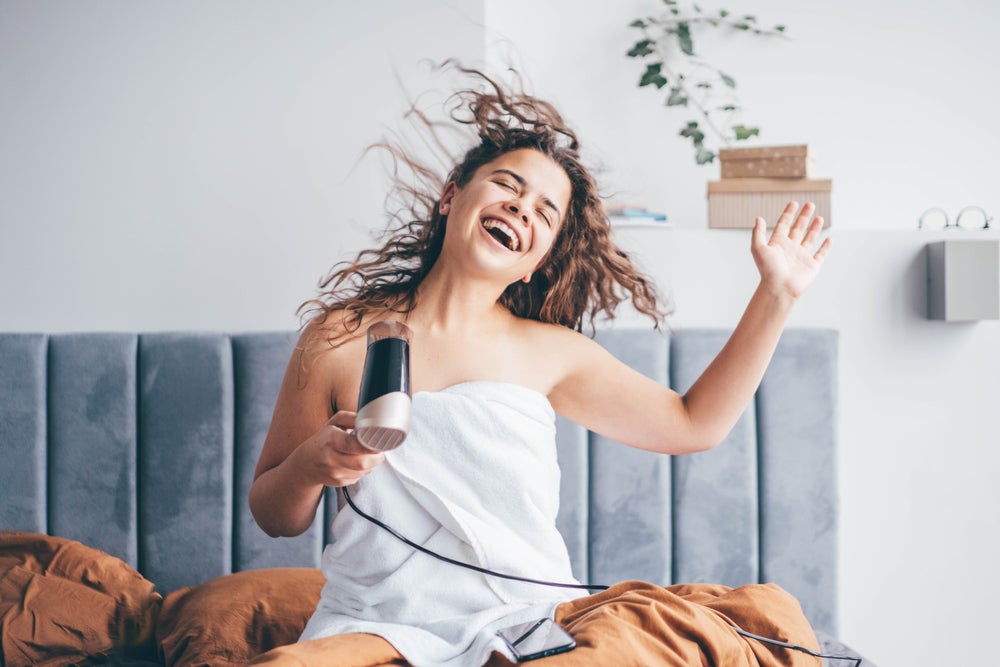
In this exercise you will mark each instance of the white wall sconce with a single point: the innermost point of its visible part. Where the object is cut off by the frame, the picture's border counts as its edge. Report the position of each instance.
(963, 280)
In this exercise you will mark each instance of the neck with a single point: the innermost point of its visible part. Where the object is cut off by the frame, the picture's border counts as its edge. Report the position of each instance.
(449, 302)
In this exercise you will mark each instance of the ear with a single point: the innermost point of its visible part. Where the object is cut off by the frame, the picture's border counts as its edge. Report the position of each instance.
(449, 193)
(537, 268)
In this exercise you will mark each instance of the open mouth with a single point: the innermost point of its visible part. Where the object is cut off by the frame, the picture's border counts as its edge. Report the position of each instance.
(503, 233)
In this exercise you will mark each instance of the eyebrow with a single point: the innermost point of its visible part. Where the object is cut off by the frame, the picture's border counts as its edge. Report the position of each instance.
(517, 177)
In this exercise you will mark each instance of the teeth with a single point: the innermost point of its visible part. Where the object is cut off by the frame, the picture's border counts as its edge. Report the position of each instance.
(491, 223)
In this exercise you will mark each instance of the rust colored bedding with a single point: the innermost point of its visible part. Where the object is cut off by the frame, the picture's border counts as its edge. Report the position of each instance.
(632, 623)
(62, 601)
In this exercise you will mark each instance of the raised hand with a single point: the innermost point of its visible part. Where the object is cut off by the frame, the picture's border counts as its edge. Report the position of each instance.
(787, 261)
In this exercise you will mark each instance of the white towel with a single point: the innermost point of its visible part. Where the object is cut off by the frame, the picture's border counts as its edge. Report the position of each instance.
(476, 480)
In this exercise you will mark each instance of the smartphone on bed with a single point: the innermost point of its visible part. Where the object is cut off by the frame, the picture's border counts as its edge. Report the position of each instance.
(536, 639)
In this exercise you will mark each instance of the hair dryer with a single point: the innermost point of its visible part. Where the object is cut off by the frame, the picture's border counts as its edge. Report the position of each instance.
(383, 417)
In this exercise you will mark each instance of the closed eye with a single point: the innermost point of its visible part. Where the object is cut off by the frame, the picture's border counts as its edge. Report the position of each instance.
(545, 214)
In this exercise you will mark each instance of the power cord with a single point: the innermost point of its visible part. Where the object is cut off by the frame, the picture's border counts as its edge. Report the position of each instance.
(592, 587)
(469, 566)
(795, 647)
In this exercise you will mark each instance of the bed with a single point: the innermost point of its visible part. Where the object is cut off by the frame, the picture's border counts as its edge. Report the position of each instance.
(139, 449)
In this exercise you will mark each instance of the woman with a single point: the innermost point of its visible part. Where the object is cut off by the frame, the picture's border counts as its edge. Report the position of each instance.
(494, 274)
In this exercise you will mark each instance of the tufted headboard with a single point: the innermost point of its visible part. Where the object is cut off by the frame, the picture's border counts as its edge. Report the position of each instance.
(144, 446)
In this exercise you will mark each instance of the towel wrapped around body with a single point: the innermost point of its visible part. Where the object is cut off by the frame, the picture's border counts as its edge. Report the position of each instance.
(476, 480)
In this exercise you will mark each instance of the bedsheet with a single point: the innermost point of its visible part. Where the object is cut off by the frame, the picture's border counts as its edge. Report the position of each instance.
(631, 623)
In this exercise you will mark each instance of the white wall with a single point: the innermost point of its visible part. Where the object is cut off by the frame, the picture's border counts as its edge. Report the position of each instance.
(896, 101)
(188, 165)
(191, 165)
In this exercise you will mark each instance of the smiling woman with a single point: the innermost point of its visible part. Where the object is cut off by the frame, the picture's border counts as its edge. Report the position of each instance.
(586, 275)
(495, 268)
(509, 199)
(518, 191)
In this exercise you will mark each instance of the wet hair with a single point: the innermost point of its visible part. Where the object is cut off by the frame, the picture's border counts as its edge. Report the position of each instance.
(585, 275)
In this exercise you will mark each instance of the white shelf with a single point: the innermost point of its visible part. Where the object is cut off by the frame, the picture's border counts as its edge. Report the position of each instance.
(619, 221)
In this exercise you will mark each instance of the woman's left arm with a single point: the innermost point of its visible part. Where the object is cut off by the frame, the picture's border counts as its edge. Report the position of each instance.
(610, 398)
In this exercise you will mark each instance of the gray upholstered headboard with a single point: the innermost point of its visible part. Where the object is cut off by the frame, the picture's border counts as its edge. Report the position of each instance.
(144, 446)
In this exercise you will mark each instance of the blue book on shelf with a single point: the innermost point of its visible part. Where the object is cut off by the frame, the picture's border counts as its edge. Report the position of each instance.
(638, 214)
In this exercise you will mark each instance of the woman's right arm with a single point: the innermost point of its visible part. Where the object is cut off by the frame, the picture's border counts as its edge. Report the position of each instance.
(307, 448)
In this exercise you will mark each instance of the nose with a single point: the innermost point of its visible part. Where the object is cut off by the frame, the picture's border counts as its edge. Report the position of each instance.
(512, 207)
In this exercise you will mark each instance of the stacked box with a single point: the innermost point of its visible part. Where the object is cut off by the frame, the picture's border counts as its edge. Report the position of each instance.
(734, 203)
(761, 181)
(766, 162)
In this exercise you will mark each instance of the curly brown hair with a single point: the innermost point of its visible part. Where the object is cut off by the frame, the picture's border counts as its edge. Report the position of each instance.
(585, 274)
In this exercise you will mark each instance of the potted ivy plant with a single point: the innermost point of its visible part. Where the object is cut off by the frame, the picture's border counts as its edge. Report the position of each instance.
(666, 49)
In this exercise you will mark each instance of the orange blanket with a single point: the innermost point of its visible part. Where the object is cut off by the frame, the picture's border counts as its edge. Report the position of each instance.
(62, 602)
(632, 623)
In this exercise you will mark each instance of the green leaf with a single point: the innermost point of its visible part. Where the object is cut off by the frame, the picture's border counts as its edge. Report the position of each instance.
(677, 98)
(638, 23)
(670, 3)
(703, 156)
(749, 19)
(692, 132)
(641, 48)
(684, 38)
(742, 132)
(729, 107)
(697, 8)
(779, 28)
(741, 26)
(652, 76)
(723, 13)
(675, 12)
(728, 80)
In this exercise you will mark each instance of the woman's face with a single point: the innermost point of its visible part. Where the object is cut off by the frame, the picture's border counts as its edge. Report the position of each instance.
(505, 219)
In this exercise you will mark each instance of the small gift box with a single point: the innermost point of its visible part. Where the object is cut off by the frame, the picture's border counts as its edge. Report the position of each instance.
(766, 162)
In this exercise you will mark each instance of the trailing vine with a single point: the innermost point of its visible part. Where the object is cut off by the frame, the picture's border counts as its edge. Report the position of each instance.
(691, 81)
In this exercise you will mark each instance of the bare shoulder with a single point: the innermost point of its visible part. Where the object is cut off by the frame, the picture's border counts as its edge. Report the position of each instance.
(555, 336)
(559, 350)
(328, 358)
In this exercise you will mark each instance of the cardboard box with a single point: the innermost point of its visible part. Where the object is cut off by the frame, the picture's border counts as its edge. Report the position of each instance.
(735, 203)
(766, 162)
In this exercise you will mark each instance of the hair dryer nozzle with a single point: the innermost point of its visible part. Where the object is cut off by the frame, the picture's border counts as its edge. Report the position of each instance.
(382, 424)
(383, 417)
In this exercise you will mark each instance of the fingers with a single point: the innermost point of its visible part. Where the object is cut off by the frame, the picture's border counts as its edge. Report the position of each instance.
(346, 459)
(787, 262)
(823, 250)
(345, 469)
(343, 419)
(802, 227)
(798, 229)
(814, 228)
(344, 440)
(759, 235)
(783, 226)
